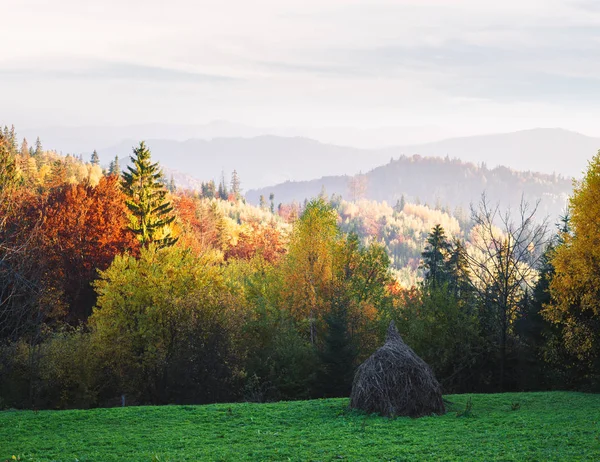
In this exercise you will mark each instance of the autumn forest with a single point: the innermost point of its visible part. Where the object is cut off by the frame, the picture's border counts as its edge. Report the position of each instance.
(119, 287)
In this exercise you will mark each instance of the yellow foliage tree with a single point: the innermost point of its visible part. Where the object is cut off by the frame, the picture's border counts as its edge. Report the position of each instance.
(575, 288)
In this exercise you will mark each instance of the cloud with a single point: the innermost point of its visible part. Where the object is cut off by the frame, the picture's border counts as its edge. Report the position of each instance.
(112, 71)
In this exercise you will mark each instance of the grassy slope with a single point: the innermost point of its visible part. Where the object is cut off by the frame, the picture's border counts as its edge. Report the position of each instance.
(548, 426)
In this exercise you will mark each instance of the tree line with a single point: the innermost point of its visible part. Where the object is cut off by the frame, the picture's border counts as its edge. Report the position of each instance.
(115, 289)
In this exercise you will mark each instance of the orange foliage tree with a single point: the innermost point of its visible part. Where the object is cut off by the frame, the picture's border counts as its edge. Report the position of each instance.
(201, 223)
(83, 228)
(256, 238)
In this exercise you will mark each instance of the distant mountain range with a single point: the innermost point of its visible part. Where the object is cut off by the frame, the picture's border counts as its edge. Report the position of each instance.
(259, 161)
(438, 182)
(548, 150)
(270, 160)
(263, 159)
(84, 139)
(295, 168)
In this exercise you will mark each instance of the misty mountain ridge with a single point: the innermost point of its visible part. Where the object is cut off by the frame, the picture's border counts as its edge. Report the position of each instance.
(268, 160)
(84, 139)
(439, 182)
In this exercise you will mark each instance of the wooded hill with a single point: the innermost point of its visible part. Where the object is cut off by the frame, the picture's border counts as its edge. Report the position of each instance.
(439, 182)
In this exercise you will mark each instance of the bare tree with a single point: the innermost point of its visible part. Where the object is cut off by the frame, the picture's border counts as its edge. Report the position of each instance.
(503, 258)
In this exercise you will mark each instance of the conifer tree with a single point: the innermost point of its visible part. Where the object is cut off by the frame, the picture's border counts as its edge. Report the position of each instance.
(339, 353)
(114, 168)
(95, 158)
(8, 169)
(151, 212)
(272, 200)
(235, 185)
(172, 187)
(209, 190)
(24, 148)
(38, 147)
(435, 256)
(222, 191)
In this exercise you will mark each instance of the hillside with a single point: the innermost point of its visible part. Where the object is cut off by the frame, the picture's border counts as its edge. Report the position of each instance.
(267, 160)
(511, 426)
(259, 161)
(447, 183)
(547, 150)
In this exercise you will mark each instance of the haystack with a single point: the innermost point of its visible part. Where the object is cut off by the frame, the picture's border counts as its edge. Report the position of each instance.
(394, 381)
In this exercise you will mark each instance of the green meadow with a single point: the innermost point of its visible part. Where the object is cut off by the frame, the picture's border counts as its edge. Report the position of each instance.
(511, 426)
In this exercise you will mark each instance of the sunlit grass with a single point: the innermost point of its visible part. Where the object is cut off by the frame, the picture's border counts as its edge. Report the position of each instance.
(515, 426)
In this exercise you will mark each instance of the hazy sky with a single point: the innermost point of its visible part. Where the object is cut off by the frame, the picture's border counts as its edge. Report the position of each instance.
(472, 65)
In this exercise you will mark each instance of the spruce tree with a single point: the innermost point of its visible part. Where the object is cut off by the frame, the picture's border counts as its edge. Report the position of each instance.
(209, 190)
(24, 148)
(435, 257)
(8, 167)
(38, 147)
(114, 169)
(151, 213)
(272, 200)
(236, 185)
(95, 158)
(222, 191)
(172, 187)
(339, 353)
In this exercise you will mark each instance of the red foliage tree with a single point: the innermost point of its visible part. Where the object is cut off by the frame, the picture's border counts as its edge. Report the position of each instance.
(83, 228)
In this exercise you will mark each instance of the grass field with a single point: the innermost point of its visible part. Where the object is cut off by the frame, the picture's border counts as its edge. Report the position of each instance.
(515, 426)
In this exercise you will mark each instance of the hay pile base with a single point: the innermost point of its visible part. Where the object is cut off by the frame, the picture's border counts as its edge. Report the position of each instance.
(394, 381)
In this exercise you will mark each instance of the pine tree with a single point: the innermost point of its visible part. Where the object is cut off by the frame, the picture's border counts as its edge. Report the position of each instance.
(458, 269)
(151, 213)
(8, 168)
(114, 169)
(339, 353)
(209, 191)
(12, 140)
(222, 190)
(235, 185)
(95, 158)
(24, 148)
(38, 147)
(272, 200)
(435, 255)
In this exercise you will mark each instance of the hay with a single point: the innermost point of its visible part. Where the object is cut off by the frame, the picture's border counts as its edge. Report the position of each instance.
(394, 381)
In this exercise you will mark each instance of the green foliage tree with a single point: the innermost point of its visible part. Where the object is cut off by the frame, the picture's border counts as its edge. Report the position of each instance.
(151, 213)
(114, 168)
(310, 262)
(339, 352)
(222, 189)
(444, 330)
(161, 326)
(434, 257)
(95, 159)
(272, 201)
